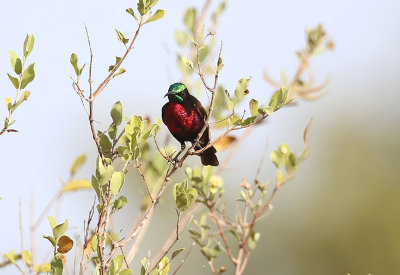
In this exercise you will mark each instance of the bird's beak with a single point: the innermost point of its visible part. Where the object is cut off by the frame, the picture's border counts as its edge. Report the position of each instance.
(169, 93)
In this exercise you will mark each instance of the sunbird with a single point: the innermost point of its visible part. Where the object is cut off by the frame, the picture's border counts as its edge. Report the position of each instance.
(185, 117)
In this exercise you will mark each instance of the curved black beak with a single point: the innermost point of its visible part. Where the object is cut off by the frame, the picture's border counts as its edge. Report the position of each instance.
(169, 93)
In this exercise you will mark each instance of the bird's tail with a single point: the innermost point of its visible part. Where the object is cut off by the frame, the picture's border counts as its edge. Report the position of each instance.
(208, 157)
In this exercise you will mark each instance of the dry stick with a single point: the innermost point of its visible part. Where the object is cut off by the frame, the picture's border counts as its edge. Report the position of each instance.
(21, 232)
(138, 241)
(145, 182)
(222, 233)
(32, 230)
(86, 238)
(185, 220)
(177, 237)
(184, 259)
(110, 75)
(244, 263)
(264, 154)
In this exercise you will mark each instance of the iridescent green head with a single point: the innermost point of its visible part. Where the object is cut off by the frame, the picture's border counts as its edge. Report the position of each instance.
(177, 92)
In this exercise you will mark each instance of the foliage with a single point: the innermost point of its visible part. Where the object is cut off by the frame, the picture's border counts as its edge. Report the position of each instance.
(24, 76)
(130, 144)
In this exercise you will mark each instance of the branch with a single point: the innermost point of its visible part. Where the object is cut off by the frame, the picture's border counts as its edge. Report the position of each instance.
(222, 233)
(177, 237)
(184, 259)
(110, 75)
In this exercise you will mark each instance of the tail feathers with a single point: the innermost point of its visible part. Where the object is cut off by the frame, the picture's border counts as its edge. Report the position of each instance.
(208, 157)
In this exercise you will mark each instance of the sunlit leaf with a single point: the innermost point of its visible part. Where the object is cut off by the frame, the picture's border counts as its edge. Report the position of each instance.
(117, 181)
(16, 63)
(77, 184)
(28, 75)
(156, 16)
(14, 81)
(28, 44)
(116, 113)
(27, 258)
(78, 163)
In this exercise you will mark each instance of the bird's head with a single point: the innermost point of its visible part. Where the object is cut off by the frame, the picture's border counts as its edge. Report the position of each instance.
(177, 92)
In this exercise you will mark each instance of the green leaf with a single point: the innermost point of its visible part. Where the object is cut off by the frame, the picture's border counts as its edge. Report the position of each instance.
(120, 202)
(14, 81)
(23, 97)
(42, 268)
(190, 19)
(121, 37)
(266, 110)
(141, 7)
(181, 38)
(145, 265)
(277, 159)
(116, 113)
(77, 184)
(253, 104)
(105, 143)
(52, 222)
(203, 54)
(126, 271)
(117, 181)
(183, 196)
(156, 16)
(78, 163)
(220, 64)
(120, 71)
(74, 61)
(16, 63)
(152, 3)
(28, 44)
(106, 176)
(8, 103)
(130, 11)
(27, 258)
(60, 229)
(51, 239)
(242, 89)
(112, 131)
(177, 252)
(291, 163)
(229, 102)
(28, 75)
(279, 98)
(116, 264)
(56, 265)
(210, 253)
(187, 62)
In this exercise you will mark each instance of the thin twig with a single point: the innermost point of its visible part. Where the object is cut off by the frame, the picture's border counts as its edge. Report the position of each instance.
(264, 154)
(184, 259)
(145, 181)
(222, 233)
(154, 264)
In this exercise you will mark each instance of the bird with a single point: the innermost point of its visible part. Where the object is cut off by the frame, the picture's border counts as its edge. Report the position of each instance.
(185, 117)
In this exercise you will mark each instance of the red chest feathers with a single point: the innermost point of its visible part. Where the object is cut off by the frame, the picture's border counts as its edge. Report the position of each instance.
(182, 125)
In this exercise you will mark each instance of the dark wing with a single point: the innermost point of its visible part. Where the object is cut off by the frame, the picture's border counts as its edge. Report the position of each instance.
(163, 111)
(198, 107)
